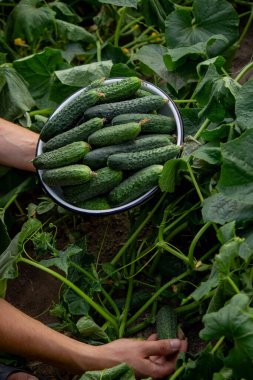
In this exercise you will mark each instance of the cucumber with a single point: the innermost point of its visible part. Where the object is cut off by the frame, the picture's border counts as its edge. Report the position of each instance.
(138, 160)
(66, 155)
(166, 323)
(79, 133)
(97, 158)
(114, 134)
(68, 175)
(120, 90)
(135, 185)
(137, 105)
(105, 180)
(140, 93)
(150, 123)
(67, 116)
(97, 203)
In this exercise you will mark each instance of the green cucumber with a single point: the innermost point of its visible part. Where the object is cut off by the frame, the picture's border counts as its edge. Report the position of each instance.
(135, 185)
(97, 203)
(137, 105)
(66, 155)
(68, 175)
(138, 160)
(150, 123)
(120, 90)
(79, 133)
(140, 93)
(114, 134)
(68, 115)
(166, 323)
(104, 181)
(97, 158)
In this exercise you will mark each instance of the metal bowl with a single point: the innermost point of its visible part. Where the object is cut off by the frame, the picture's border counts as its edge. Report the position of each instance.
(169, 109)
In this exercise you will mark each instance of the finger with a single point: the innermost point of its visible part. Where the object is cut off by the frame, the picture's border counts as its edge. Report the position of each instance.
(158, 371)
(184, 345)
(163, 347)
(152, 337)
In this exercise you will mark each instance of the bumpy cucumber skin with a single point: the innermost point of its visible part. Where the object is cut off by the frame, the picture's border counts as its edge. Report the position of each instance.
(139, 160)
(97, 203)
(135, 185)
(68, 175)
(150, 123)
(104, 181)
(114, 134)
(120, 90)
(66, 155)
(69, 115)
(137, 105)
(97, 158)
(78, 133)
(166, 323)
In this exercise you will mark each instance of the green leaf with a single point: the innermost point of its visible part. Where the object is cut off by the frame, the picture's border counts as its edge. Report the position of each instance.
(121, 3)
(177, 56)
(88, 328)
(72, 32)
(206, 286)
(217, 133)
(119, 372)
(155, 12)
(224, 374)
(236, 179)
(171, 174)
(64, 12)
(235, 322)
(15, 99)
(4, 235)
(29, 21)
(81, 76)
(209, 152)
(221, 209)
(62, 261)
(208, 18)
(216, 95)
(243, 105)
(15, 191)
(218, 62)
(226, 232)
(225, 260)
(38, 71)
(191, 120)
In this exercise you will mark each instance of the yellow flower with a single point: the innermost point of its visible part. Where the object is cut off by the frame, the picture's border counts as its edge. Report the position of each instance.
(19, 42)
(125, 50)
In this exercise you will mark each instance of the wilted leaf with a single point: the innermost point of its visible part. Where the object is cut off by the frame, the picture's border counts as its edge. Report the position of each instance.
(88, 328)
(119, 372)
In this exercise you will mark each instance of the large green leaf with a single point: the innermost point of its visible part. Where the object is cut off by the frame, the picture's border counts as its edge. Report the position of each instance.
(216, 95)
(83, 75)
(155, 11)
(38, 71)
(29, 21)
(15, 99)
(71, 32)
(121, 3)
(209, 17)
(235, 322)
(243, 105)
(222, 209)
(119, 372)
(236, 179)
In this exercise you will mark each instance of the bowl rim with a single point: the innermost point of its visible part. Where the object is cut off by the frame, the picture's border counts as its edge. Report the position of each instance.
(136, 202)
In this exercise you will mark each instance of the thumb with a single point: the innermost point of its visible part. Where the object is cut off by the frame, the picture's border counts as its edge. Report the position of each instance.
(164, 347)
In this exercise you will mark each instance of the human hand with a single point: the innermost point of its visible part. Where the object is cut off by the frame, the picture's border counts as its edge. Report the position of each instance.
(149, 358)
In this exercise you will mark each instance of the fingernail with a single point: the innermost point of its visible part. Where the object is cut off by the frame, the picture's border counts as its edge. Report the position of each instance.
(175, 344)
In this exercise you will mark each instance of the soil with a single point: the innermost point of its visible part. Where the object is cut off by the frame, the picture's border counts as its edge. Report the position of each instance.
(34, 300)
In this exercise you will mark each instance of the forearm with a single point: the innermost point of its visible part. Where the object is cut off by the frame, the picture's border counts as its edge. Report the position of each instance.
(17, 146)
(29, 338)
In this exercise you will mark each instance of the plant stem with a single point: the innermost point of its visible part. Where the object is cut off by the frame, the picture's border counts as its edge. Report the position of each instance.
(45, 111)
(217, 345)
(195, 182)
(138, 230)
(118, 27)
(173, 251)
(177, 372)
(179, 101)
(156, 295)
(244, 71)
(246, 28)
(195, 241)
(175, 222)
(233, 285)
(201, 129)
(128, 297)
(77, 290)
(105, 293)
(98, 44)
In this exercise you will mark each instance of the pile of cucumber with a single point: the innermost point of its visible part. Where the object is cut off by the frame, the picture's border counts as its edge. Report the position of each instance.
(107, 146)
